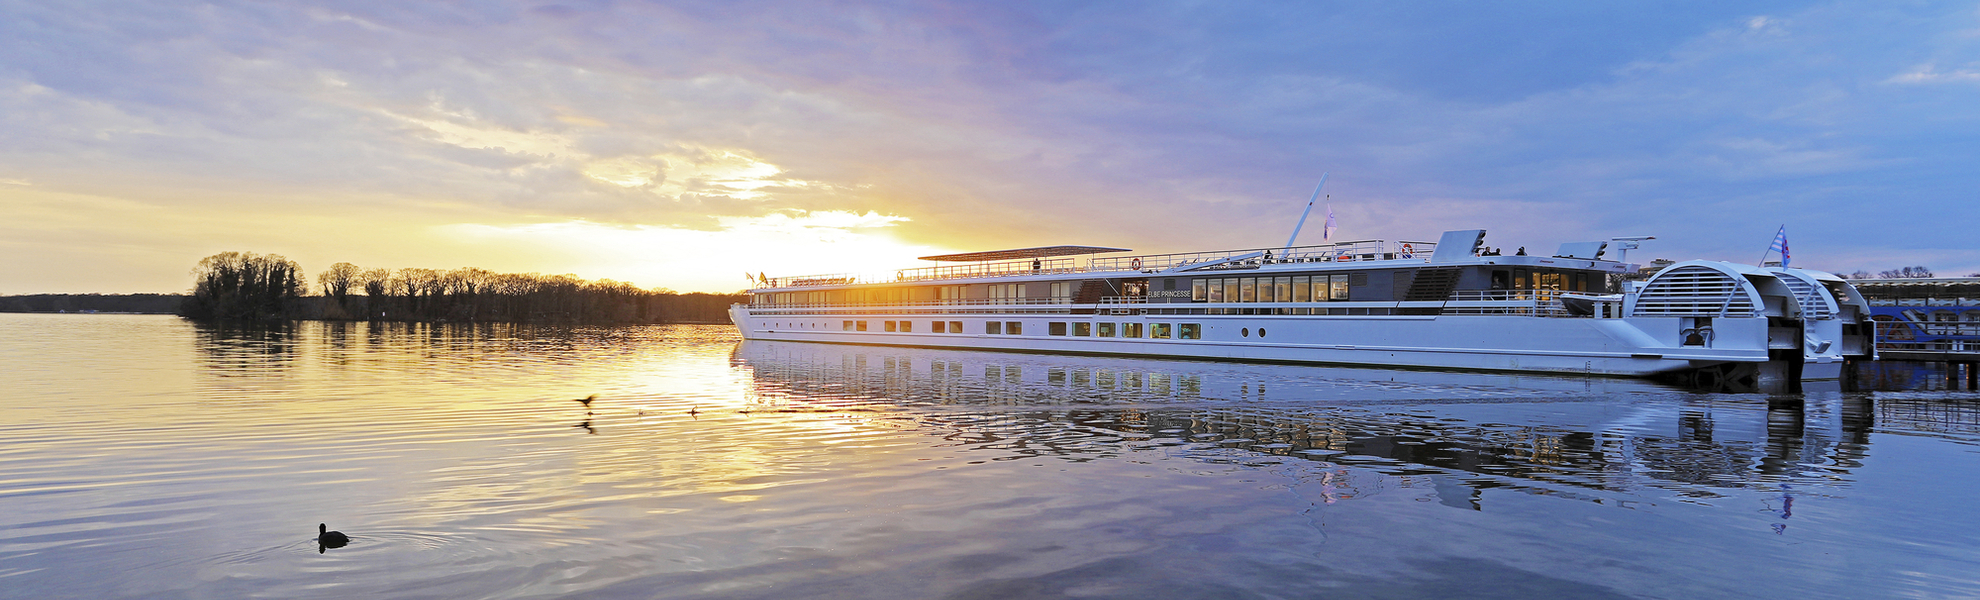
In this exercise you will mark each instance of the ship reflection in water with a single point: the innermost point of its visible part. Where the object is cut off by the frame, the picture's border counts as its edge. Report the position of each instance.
(1561, 436)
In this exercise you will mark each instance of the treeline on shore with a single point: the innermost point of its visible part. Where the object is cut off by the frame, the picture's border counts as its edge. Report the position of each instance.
(237, 286)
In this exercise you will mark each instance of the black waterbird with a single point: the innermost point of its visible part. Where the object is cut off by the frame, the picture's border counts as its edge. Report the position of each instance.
(325, 538)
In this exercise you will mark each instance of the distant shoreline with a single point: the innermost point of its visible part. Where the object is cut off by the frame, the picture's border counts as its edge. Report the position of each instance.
(136, 304)
(703, 309)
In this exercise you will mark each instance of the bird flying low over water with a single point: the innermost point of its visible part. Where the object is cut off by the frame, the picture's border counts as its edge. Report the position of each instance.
(586, 401)
(325, 538)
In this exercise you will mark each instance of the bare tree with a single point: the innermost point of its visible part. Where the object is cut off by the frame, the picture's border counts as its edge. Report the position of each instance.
(338, 280)
(1917, 272)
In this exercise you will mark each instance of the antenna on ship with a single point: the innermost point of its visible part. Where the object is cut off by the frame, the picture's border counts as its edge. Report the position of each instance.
(1309, 210)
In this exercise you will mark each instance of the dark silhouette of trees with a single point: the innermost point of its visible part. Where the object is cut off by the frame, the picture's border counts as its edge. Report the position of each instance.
(1918, 272)
(238, 286)
(243, 286)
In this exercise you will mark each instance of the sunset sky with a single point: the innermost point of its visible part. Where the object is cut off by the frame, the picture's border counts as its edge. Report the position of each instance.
(681, 144)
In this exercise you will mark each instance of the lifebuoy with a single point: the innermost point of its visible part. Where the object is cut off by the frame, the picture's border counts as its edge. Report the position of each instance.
(1135, 264)
(1407, 251)
(1343, 257)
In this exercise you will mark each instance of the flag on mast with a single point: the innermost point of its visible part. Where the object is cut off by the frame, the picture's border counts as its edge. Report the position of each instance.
(1781, 245)
(1327, 233)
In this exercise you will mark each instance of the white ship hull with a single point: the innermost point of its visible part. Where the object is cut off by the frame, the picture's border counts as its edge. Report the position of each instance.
(1621, 347)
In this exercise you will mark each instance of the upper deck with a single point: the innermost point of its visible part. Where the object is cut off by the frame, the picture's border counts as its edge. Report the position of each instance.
(1363, 252)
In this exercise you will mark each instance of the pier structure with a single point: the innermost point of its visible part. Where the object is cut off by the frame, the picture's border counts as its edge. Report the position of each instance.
(1932, 320)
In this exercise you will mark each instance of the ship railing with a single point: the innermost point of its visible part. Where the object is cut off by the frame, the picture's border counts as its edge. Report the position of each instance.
(1047, 304)
(1923, 302)
(1361, 250)
(1907, 331)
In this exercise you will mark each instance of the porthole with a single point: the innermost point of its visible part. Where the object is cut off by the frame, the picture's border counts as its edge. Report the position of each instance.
(1261, 332)
(1246, 332)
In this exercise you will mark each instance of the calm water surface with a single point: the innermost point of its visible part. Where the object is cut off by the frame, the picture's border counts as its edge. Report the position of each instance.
(145, 457)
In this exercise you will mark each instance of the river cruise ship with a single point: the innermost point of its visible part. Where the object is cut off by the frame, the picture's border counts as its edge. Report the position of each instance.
(1449, 304)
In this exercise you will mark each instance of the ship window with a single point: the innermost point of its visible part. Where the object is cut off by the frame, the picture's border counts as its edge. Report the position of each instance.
(1282, 289)
(1339, 283)
(1261, 332)
(1246, 332)
(1215, 291)
(1013, 328)
(993, 327)
(1159, 331)
(1302, 289)
(1082, 329)
(1199, 290)
(859, 326)
(1190, 331)
(955, 327)
(907, 326)
(1248, 289)
(846, 325)
(939, 327)
(1231, 289)
(888, 326)
(1055, 328)
(1130, 330)
(1106, 330)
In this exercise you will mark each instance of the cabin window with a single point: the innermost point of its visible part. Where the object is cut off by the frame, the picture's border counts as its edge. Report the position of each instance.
(846, 325)
(1062, 292)
(1199, 290)
(1214, 291)
(1130, 330)
(859, 326)
(1248, 289)
(1231, 289)
(1339, 287)
(955, 327)
(1106, 330)
(1055, 328)
(1013, 328)
(1282, 289)
(1159, 331)
(1007, 291)
(939, 327)
(1082, 329)
(1302, 289)
(1189, 331)
(907, 326)
(993, 327)
(888, 326)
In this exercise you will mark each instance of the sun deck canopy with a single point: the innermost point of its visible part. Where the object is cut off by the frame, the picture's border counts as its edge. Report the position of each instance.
(1023, 253)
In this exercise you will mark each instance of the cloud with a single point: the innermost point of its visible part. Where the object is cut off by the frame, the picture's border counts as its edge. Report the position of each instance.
(1169, 126)
(1928, 73)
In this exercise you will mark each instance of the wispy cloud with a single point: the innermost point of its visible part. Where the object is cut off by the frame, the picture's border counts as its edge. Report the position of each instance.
(1151, 125)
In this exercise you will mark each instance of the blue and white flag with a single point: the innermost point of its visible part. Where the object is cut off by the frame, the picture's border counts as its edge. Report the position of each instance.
(1327, 233)
(1781, 245)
